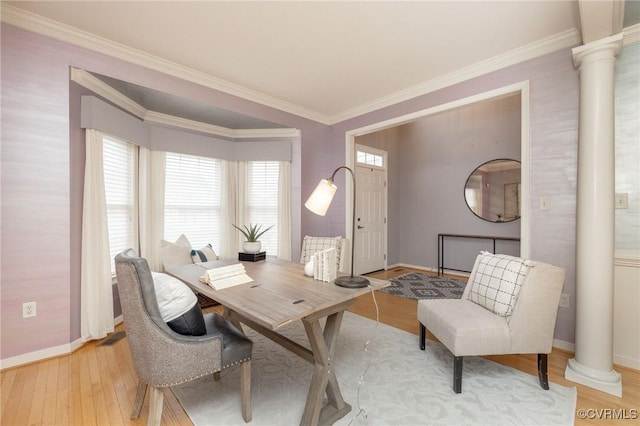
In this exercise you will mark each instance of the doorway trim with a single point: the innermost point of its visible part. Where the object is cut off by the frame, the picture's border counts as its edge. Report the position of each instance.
(521, 88)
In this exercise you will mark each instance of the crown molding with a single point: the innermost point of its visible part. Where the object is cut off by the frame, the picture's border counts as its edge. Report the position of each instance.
(542, 47)
(54, 29)
(265, 133)
(631, 35)
(50, 28)
(101, 88)
(184, 123)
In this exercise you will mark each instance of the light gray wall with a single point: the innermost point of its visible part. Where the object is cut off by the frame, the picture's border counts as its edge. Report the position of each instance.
(627, 92)
(429, 162)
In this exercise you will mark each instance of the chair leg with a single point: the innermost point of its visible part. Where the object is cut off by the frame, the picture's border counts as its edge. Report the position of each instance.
(245, 390)
(457, 374)
(542, 371)
(155, 406)
(423, 336)
(137, 404)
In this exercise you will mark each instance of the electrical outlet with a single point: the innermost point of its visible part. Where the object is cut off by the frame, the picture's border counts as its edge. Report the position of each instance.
(564, 300)
(545, 204)
(622, 201)
(28, 309)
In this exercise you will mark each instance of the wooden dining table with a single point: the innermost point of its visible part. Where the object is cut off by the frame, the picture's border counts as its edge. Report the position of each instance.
(280, 294)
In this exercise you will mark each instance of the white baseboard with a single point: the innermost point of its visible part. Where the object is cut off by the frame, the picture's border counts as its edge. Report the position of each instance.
(565, 346)
(47, 353)
(424, 268)
(76, 344)
(626, 362)
(36, 356)
(406, 265)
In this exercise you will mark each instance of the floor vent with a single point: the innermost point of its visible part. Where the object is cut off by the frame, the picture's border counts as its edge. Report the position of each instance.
(113, 339)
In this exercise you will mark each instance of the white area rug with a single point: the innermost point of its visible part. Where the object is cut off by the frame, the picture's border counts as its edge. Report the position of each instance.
(402, 385)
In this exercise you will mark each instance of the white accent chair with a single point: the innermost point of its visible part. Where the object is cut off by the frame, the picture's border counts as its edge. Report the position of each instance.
(467, 328)
(311, 245)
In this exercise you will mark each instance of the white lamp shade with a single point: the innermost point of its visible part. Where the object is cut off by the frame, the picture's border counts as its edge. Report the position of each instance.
(321, 197)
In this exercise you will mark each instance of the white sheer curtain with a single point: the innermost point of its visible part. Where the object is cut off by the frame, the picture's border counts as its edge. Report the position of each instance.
(96, 303)
(228, 215)
(242, 199)
(151, 205)
(284, 210)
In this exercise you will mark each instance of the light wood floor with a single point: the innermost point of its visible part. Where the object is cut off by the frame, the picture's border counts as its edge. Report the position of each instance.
(96, 384)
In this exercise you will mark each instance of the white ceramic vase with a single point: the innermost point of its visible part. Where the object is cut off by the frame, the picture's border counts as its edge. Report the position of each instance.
(308, 268)
(251, 246)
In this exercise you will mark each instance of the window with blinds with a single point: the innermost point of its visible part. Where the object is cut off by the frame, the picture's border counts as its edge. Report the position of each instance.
(192, 199)
(119, 183)
(262, 201)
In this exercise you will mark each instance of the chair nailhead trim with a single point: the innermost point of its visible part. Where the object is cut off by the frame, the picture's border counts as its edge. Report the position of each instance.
(202, 375)
(237, 362)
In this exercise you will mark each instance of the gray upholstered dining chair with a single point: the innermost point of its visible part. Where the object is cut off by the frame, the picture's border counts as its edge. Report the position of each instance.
(509, 306)
(164, 358)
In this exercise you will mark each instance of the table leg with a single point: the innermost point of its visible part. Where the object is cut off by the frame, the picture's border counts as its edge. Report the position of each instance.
(233, 318)
(324, 378)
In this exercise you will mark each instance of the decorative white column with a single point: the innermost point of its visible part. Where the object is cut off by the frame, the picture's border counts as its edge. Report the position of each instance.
(595, 251)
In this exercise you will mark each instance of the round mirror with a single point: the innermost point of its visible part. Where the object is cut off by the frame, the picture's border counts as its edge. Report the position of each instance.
(492, 191)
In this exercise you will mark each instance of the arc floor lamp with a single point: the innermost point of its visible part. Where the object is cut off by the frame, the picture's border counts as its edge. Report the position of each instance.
(319, 202)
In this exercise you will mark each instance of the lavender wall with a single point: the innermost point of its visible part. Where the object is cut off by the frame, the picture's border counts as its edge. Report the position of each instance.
(35, 196)
(42, 172)
(42, 162)
(429, 162)
(554, 139)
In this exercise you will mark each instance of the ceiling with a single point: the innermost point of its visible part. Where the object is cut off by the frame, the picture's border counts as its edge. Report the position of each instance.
(323, 60)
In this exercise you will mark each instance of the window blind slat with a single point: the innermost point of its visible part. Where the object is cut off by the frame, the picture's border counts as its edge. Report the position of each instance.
(119, 168)
(192, 199)
(263, 200)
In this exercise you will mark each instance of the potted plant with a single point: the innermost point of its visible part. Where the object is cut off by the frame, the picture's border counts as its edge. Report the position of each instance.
(252, 233)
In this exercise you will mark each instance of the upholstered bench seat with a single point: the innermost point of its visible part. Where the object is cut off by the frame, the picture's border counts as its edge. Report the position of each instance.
(465, 327)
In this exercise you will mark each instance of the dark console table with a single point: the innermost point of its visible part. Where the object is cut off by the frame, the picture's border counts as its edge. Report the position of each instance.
(443, 237)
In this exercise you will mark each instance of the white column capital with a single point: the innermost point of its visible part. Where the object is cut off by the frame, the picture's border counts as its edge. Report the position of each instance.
(600, 49)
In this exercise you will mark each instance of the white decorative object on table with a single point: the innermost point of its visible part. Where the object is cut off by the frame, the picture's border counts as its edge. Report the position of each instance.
(226, 276)
(308, 268)
(251, 246)
(252, 233)
(324, 265)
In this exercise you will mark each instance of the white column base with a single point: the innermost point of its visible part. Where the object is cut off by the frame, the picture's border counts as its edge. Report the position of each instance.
(605, 381)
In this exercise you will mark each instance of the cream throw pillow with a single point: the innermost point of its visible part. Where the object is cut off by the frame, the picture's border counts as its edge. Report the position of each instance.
(175, 254)
(497, 281)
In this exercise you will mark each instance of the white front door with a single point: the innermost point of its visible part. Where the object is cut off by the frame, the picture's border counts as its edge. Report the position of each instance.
(371, 220)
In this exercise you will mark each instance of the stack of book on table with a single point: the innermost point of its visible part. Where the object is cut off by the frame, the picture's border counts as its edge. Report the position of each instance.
(226, 276)
(324, 265)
